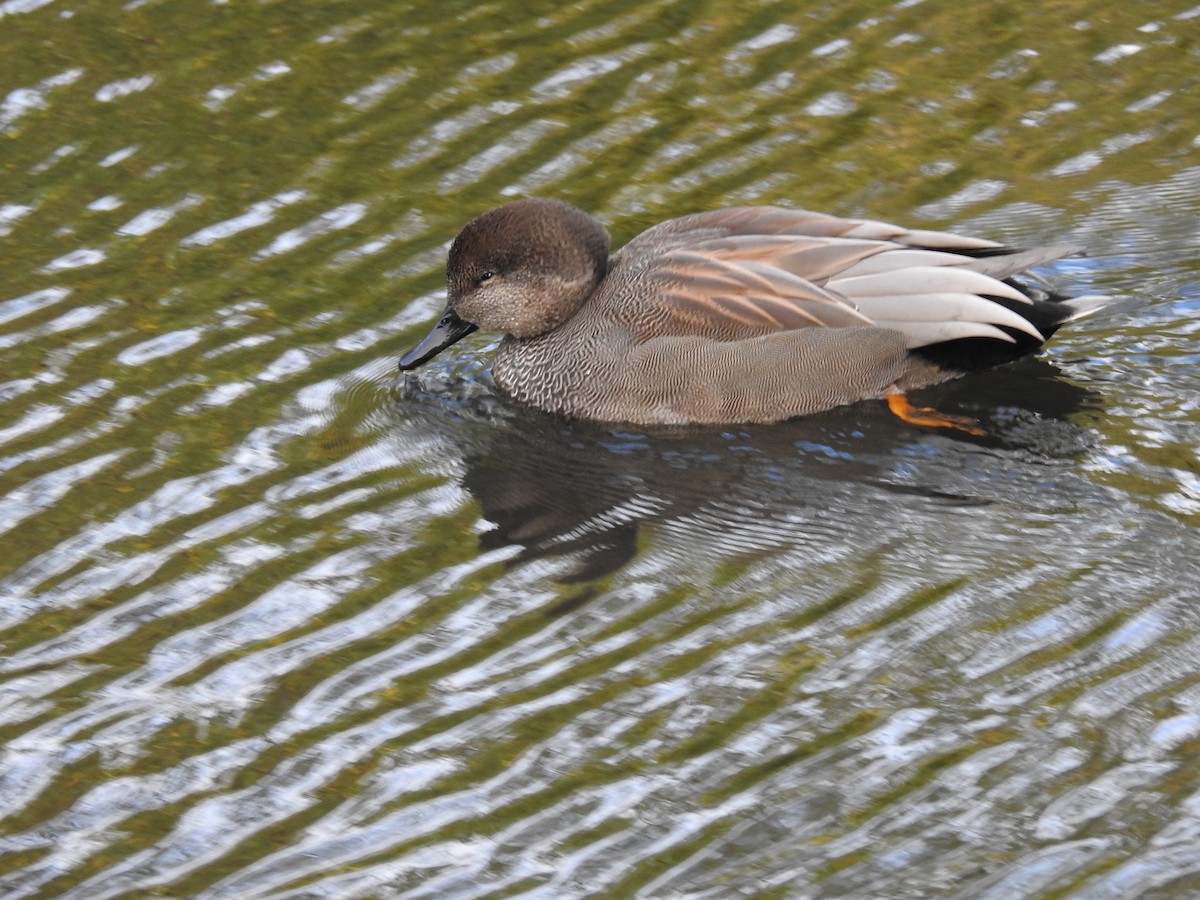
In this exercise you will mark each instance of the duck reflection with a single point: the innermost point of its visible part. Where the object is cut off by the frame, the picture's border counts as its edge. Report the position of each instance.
(556, 487)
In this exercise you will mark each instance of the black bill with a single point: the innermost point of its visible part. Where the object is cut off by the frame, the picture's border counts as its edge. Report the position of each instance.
(449, 328)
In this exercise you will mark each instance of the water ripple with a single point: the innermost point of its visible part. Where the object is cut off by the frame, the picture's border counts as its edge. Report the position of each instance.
(281, 622)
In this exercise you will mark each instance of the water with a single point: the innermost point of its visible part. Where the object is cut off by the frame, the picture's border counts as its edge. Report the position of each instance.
(277, 622)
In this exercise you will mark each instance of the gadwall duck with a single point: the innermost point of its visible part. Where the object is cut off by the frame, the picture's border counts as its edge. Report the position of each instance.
(751, 314)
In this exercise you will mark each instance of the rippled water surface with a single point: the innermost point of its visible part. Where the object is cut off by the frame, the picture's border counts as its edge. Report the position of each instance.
(279, 623)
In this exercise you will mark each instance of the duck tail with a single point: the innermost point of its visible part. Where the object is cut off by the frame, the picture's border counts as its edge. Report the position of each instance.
(1078, 307)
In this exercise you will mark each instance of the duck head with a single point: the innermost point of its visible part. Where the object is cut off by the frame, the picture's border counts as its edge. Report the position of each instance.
(522, 269)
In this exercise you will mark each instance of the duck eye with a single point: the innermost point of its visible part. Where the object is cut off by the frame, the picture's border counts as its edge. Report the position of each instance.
(486, 277)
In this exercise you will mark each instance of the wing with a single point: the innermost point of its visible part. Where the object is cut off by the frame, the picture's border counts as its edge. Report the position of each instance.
(736, 288)
(749, 271)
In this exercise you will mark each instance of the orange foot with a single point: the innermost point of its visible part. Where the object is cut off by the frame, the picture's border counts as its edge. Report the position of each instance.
(923, 415)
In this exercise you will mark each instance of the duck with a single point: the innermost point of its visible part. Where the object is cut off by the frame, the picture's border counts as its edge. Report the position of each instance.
(752, 314)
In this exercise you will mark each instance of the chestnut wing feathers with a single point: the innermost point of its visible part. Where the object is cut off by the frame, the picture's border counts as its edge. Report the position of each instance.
(748, 271)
